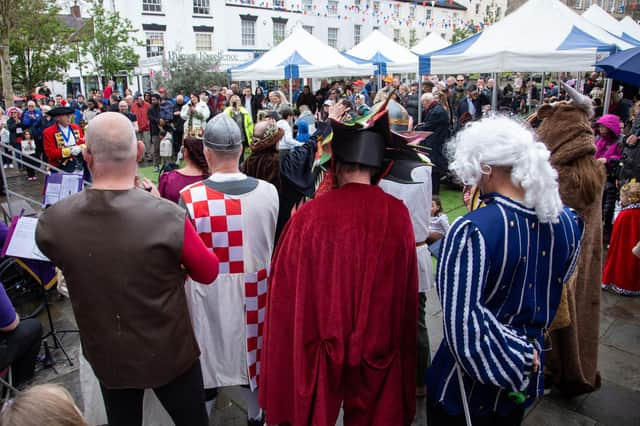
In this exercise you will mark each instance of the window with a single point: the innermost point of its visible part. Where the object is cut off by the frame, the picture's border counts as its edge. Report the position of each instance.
(278, 4)
(477, 8)
(333, 7)
(155, 43)
(396, 8)
(308, 28)
(200, 7)
(396, 35)
(279, 29)
(356, 3)
(498, 12)
(487, 10)
(428, 14)
(357, 30)
(332, 37)
(248, 32)
(151, 6)
(376, 6)
(307, 5)
(204, 42)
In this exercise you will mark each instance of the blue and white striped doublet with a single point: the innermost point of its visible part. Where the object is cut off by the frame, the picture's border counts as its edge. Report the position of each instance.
(500, 278)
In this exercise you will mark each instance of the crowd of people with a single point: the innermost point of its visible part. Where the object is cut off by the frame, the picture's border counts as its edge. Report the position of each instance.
(297, 247)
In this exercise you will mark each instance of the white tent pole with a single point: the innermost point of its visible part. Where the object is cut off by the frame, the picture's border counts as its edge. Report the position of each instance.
(494, 93)
(607, 96)
(290, 91)
(419, 97)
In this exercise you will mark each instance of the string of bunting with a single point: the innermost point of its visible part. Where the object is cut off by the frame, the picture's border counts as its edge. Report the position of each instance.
(386, 13)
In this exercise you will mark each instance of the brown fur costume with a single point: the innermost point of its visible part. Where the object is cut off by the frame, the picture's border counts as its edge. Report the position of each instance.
(264, 161)
(565, 130)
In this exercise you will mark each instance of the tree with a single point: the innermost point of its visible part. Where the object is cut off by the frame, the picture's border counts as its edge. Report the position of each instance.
(40, 55)
(13, 14)
(190, 73)
(111, 48)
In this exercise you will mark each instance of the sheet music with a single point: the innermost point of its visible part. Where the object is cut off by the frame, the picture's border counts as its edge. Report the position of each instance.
(23, 240)
(61, 185)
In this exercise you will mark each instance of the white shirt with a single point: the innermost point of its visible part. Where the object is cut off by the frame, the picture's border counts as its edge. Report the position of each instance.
(287, 142)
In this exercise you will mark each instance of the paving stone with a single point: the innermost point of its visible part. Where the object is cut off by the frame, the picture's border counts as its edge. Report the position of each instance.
(612, 405)
(620, 367)
(621, 307)
(549, 413)
(605, 322)
(624, 335)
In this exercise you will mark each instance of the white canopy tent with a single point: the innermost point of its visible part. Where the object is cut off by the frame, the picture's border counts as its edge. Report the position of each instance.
(596, 15)
(630, 27)
(542, 36)
(429, 44)
(299, 55)
(379, 49)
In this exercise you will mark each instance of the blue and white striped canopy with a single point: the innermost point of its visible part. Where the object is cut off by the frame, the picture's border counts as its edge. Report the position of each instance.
(542, 36)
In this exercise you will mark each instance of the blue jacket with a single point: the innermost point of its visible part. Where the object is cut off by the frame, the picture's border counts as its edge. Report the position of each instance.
(500, 278)
(28, 122)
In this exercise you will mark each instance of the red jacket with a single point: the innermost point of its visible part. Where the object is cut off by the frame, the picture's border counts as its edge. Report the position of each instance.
(142, 114)
(54, 146)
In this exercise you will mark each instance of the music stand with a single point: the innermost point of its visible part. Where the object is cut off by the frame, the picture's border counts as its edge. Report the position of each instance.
(53, 333)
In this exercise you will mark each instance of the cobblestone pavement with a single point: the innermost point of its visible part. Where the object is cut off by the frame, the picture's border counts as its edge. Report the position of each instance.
(615, 404)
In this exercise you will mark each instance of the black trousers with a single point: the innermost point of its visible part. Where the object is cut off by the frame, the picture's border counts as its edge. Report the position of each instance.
(437, 416)
(609, 198)
(183, 398)
(424, 355)
(436, 174)
(19, 348)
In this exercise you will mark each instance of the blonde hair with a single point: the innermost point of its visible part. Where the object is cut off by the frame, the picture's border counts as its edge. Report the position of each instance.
(48, 404)
(501, 141)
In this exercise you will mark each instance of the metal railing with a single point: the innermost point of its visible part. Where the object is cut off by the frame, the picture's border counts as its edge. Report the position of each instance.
(34, 163)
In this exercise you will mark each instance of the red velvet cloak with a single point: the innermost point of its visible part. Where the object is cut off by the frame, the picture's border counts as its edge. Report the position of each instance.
(622, 268)
(340, 326)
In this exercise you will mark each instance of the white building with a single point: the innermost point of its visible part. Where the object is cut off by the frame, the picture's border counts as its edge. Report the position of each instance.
(238, 30)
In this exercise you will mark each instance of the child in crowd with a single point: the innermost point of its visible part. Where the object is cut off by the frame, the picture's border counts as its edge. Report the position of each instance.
(622, 268)
(28, 146)
(608, 152)
(166, 147)
(48, 404)
(438, 227)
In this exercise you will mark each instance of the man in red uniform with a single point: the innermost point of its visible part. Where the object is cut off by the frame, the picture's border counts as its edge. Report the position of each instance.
(63, 141)
(340, 327)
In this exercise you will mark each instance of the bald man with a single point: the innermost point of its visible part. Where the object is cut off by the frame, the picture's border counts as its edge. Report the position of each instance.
(126, 280)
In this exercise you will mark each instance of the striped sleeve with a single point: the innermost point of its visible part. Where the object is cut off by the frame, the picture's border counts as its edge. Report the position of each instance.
(487, 350)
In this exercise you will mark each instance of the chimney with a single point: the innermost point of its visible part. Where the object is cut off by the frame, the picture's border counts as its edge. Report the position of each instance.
(75, 11)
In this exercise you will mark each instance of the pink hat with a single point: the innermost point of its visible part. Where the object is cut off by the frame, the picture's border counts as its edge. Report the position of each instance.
(611, 122)
(10, 110)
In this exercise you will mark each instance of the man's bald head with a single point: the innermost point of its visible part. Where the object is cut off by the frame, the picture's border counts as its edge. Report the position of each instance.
(111, 139)
(260, 128)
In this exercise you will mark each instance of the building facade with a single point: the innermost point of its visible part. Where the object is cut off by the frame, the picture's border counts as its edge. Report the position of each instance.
(235, 31)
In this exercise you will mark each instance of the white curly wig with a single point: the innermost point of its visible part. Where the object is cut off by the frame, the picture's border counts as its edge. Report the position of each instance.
(501, 141)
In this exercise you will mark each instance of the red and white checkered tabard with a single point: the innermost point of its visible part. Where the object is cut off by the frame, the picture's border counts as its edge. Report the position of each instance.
(218, 221)
(255, 302)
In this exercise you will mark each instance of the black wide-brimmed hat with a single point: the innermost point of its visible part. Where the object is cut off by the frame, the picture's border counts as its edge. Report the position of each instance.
(60, 110)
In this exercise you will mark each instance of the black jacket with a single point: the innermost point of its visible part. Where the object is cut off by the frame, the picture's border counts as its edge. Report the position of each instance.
(154, 119)
(630, 163)
(411, 106)
(436, 120)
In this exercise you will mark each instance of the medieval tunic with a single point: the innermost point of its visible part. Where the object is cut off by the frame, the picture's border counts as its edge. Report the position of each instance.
(58, 142)
(622, 268)
(341, 318)
(235, 216)
(500, 277)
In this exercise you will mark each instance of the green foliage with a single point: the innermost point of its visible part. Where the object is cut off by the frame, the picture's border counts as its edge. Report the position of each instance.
(39, 48)
(111, 47)
(190, 73)
(413, 38)
(461, 33)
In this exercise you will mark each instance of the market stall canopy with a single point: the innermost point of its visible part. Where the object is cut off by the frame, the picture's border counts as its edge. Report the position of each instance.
(430, 44)
(623, 66)
(386, 54)
(299, 55)
(631, 27)
(540, 36)
(596, 15)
